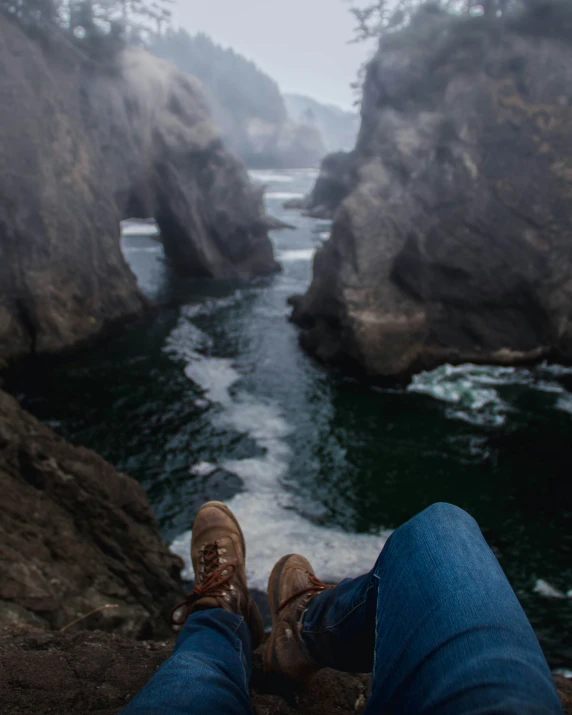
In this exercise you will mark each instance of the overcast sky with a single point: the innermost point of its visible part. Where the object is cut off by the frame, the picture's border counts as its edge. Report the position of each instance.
(302, 44)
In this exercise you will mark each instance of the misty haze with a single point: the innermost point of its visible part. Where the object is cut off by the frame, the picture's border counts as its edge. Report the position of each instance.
(312, 261)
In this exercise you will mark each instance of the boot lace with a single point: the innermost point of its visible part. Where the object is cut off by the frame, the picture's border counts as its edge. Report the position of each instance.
(213, 577)
(313, 589)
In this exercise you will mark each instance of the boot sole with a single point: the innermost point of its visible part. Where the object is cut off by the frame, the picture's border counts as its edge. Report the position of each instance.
(271, 664)
(253, 618)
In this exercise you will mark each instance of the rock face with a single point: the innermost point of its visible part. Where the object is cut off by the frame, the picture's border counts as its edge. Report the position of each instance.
(75, 535)
(285, 145)
(332, 186)
(338, 127)
(84, 146)
(455, 242)
(99, 673)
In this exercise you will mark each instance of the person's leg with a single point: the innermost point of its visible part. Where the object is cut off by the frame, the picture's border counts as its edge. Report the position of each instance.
(208, 672)
(435, 620)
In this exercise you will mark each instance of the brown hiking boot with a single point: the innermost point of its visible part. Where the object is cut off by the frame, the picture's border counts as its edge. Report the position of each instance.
(218, 554)
(291, 587)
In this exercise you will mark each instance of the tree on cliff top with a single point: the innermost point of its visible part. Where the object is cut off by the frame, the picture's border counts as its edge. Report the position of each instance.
(380, 16)
(236, 85)
(96, 25)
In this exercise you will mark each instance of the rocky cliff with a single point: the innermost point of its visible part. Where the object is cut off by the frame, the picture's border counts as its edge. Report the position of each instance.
(455, 241)
(83, 145)
(76, 536)
(333, 184)
(337, 126)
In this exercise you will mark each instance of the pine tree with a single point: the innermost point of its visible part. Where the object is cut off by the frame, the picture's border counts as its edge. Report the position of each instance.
(381, 16)
(87, 20)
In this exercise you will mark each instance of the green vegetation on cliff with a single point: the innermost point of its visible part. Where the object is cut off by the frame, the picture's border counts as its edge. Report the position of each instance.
(237, 84)
(246, 103)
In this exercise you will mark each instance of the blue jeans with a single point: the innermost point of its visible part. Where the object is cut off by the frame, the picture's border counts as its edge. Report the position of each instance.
(435, 621)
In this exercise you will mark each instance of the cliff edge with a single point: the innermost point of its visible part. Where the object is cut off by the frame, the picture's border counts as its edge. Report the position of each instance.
(98, 673)
(85, 581)
(77, 536)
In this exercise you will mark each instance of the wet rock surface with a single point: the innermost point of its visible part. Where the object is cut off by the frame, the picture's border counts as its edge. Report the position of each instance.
(332, 186)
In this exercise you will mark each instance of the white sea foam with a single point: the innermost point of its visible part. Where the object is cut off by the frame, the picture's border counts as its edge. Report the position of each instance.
(266, 312)
(212, 305)
(133, 228)
(300, 254)
(203, 469)
(469, 389)
(556, 370)
(284, 284)
(564, 403)
(214, 375)
(310, 174)
(127, 250)
(543, 588)
(186, 340)
(265, 508)
(472, 390)
(269, 176)
(283, 195)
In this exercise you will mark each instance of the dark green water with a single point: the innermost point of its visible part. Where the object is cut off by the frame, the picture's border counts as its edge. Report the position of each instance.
(215, 400)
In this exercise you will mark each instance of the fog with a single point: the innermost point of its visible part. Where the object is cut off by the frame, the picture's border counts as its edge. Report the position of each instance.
(303, 44)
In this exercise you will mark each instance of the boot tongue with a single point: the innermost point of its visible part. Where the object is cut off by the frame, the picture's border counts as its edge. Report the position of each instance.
(301, 579)
(205, 603)
(297, 582)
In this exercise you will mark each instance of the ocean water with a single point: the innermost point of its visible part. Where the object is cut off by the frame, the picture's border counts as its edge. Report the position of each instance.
(213, 399)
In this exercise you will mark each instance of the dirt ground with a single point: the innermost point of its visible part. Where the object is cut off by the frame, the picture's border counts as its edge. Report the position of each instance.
(96, 673)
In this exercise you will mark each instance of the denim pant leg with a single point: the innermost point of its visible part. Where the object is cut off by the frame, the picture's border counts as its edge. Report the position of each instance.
(437, 623)
(207, 673)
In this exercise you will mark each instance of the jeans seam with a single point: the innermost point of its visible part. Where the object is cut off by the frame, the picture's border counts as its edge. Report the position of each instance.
(239, 649)
(376, 628)
(347, 615)
(239, 624)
